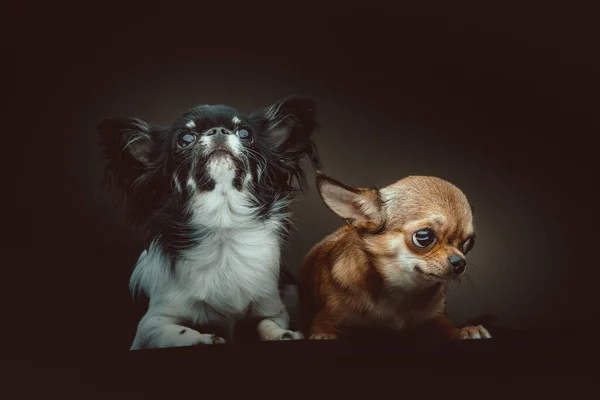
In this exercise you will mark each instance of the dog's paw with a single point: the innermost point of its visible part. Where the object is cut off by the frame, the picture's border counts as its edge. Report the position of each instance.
(291, 335)
(282, 334)
(474, 332)
(207, 338)
(322, 336)
(190, 337)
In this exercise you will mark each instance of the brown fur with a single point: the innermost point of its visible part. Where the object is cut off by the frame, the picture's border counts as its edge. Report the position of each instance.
(363, 274)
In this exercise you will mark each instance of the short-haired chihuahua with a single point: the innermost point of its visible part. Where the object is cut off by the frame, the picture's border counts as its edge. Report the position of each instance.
(389, 265)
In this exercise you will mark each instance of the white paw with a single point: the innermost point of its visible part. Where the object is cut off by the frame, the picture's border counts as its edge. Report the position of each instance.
(474, 332)
(282, 334)
(207, 338)
(291, 335)
(190, 337)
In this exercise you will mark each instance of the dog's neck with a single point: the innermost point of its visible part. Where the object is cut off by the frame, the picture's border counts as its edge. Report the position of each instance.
(221, 208)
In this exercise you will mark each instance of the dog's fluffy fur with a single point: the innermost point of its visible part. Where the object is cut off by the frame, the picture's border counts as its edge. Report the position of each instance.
(212, 193)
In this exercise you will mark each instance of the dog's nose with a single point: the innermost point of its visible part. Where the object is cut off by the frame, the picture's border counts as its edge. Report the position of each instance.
(220, 131)
(458, 264)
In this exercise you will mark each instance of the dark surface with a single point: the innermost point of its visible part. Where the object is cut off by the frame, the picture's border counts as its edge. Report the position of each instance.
(544, 363)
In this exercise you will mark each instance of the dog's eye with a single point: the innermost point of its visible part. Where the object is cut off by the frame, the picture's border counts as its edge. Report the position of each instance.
(244, 134)
(186, 139)
(468, 245)
(423, 238)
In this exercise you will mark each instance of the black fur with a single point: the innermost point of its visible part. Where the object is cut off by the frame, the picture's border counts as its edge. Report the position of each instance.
(143, 158)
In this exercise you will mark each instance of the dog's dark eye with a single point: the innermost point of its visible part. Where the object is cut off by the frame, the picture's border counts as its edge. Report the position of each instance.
(468, 245)
(244, 134)
(186, 139)
(423, 238)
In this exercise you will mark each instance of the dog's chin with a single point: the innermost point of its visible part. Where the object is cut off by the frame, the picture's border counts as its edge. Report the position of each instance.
(220, 153)
(434, 277)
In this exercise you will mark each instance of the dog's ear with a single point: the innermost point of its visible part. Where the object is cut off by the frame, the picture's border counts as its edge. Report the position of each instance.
(131, 147)
(360, 208)
(130, 141)
(287, 128)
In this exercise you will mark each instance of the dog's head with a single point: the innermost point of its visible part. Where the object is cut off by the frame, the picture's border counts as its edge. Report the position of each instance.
(419, 229)
(260, 153)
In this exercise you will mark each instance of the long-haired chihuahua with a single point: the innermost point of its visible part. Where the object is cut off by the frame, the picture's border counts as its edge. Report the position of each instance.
(212, 193)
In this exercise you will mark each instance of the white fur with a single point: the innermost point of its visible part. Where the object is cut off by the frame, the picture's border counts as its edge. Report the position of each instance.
(401, 272)
(222, 171)
(177, 184)
(233, 143)
(236, 120)
(191, 183)
(234, 270)
(190, 124)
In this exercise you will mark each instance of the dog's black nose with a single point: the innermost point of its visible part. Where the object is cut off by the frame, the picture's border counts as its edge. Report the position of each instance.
(221, 131)
(458, 264)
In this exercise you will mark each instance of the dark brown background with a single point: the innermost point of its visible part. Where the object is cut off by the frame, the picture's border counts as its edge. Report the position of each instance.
(503, 103)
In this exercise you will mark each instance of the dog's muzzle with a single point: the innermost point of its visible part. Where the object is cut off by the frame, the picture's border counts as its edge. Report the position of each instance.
(219, 138)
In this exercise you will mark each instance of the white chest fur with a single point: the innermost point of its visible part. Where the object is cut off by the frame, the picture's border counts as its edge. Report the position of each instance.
(235, 262)
(238, 260)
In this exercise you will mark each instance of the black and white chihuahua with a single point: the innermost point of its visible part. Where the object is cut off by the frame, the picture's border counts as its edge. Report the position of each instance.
(213, 193)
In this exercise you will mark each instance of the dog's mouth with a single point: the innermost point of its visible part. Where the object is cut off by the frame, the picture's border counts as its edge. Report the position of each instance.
(220, 153)
(429, 274)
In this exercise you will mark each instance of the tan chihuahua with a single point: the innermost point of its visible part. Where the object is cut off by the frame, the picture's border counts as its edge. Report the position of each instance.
(387, 268)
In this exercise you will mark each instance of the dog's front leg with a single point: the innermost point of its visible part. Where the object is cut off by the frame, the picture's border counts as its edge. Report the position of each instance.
(159, 331)
(273, 319)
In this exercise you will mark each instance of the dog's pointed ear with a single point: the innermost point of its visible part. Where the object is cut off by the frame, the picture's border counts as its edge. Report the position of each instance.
(287, 128)
(361, 208)
(128, 140)
(132, 148)
(288, 119)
